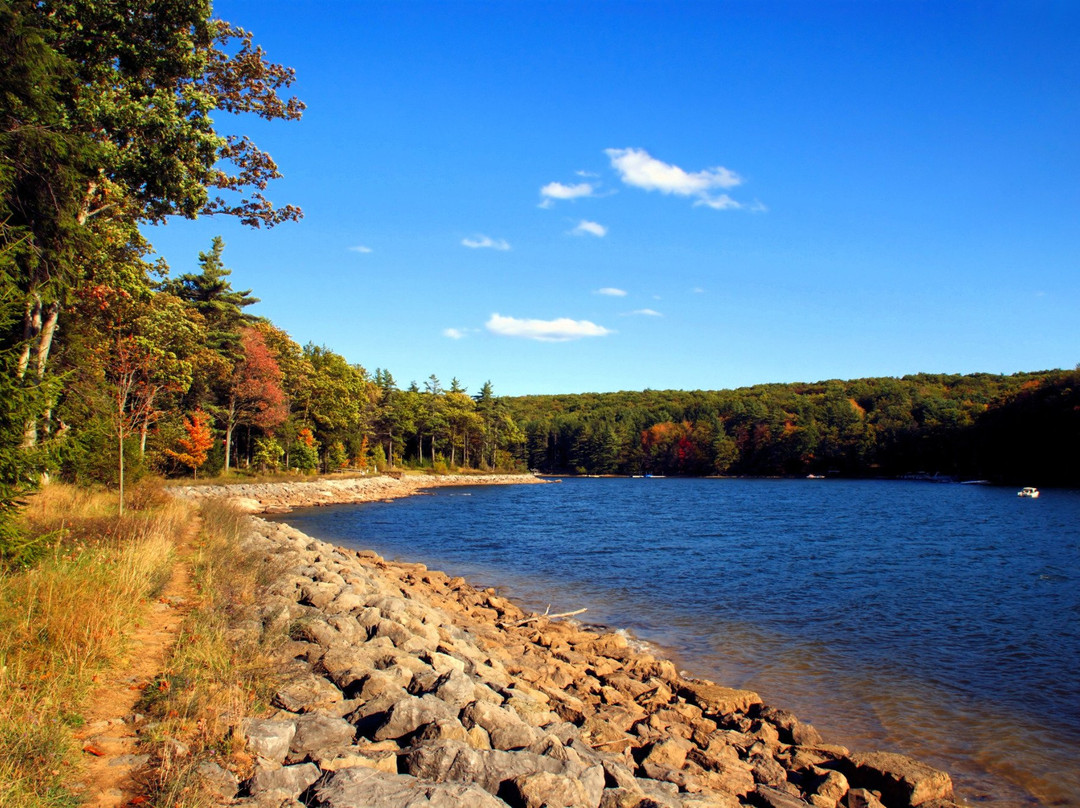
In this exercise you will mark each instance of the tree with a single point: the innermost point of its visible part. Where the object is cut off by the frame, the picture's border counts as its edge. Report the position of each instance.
(117, 126)
(253, 395)
(198, 442)
(211, 294)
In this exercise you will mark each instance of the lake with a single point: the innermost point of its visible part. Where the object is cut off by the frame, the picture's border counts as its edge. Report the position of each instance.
(941, 621)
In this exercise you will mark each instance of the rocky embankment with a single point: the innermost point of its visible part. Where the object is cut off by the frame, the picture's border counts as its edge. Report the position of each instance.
(410, 688)
(283, 497)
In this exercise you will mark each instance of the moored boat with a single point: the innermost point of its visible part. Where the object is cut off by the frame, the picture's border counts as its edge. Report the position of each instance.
(1028, 491)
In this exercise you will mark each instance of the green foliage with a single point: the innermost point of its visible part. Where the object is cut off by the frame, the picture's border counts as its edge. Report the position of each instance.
(877, 426)
(268, 454)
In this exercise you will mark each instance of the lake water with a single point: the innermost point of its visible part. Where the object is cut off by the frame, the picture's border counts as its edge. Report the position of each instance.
(942, 621)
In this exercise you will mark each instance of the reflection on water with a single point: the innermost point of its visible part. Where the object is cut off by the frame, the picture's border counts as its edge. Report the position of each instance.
(939, 621)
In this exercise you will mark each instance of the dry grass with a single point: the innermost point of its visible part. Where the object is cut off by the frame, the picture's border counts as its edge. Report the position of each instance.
(220, 670)
(66, 619)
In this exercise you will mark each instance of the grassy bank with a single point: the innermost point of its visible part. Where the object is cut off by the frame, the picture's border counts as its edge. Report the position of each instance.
(220, 670)
(66, 623)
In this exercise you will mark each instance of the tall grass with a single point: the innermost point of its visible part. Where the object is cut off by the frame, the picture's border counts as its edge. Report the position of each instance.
(66, 619)
(221, 668)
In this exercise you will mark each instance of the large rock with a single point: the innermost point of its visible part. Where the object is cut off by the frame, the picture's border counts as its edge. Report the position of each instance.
(291, 780)
(306, 694)
(452, 687)
(269, 739)
(547, 790)
(506, 730)
(902, 781)
(453, 761)
(717, 700)
(368, 788)
(410, 713)
(316, 732)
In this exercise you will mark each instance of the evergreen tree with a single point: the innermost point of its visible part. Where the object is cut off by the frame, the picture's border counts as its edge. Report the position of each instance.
(212, 295)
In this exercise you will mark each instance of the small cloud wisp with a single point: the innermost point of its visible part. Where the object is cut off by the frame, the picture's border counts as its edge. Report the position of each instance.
(485, 242)
(562, 329)
(590, 228)
(640, 169)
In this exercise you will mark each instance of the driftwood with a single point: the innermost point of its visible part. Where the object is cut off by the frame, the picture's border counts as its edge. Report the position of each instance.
(546, 615)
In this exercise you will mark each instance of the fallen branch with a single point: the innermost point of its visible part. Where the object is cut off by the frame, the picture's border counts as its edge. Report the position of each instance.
(536, 617)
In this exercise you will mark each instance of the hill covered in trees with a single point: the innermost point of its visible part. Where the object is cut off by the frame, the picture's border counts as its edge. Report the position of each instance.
(1008, 428)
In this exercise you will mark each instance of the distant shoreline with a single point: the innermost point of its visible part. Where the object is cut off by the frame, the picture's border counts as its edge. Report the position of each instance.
(255, 498)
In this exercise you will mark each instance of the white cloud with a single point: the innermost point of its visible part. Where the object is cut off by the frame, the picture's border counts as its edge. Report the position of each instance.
(481, 242)
(556, 190)
(562, 329)
(592, 228)
(638, 168)
(453, 333)
(360, 249)
(611, 291)
(722, 202)
(697, 290)
(644, 313)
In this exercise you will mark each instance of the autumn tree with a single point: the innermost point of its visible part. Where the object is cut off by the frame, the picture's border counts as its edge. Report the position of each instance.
(253, 395)
(198, 441)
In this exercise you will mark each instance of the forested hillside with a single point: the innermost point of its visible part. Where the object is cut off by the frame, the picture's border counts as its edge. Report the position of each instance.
(1020, 427)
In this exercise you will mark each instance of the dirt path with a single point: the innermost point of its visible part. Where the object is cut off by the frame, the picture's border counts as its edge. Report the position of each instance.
(110, 736)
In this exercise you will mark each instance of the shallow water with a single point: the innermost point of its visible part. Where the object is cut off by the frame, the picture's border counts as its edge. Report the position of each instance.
(942, 621)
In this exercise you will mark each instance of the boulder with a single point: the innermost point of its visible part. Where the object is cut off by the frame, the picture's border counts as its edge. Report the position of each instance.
(306, 694)
(346, 757)
(670, 753)
(547, 790)
(901, 781)
(717, 700)
(453, 761)
(410, 713)
(506, 730)
(292, 780)
(351, 788)
(219, 782)
(452, 687)
(768, 797)
(316, 732)
(269, 739)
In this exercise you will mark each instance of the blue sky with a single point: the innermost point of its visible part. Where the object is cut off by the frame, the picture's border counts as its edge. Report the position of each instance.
(571, 197)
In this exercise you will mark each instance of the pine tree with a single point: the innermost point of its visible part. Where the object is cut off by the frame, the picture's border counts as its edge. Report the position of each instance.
(212, 295)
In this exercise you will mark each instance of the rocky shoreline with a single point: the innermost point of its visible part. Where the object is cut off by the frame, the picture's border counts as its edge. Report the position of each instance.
(407, 687)
(283, 497)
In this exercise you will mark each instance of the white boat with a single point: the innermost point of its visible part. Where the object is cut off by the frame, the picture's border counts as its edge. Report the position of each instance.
(1032, 493)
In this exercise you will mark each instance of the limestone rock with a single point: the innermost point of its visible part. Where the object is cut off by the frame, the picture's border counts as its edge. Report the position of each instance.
(901, 781)
(862, 798)
(217, 781)
(292, 780)
(410, 713)
(547, 790)
(316, 732)
(775, 798)
(269, 739)
(307, 694)
(351, 788)
(504, 727)
(717, 700)
(453, 761)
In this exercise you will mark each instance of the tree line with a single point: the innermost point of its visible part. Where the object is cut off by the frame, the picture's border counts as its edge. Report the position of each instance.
(1017, 427)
